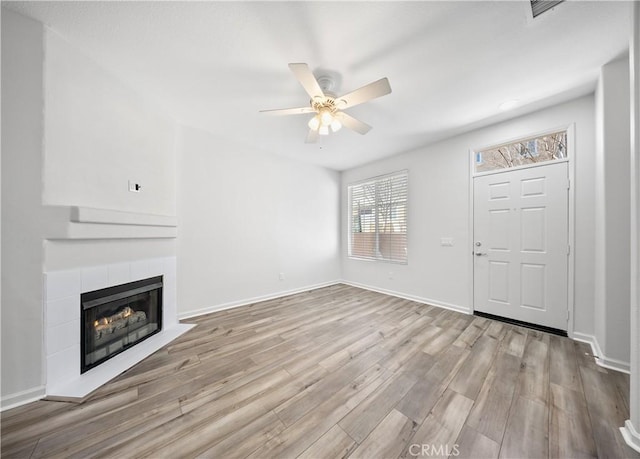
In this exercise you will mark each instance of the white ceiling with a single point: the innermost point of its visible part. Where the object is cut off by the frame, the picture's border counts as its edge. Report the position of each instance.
(214, 65)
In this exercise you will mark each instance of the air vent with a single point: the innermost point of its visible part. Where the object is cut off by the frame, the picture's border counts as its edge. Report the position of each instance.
(540, 6)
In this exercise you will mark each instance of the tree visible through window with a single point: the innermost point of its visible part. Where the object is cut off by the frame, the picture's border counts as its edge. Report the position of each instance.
(378, 218)
(550, 147)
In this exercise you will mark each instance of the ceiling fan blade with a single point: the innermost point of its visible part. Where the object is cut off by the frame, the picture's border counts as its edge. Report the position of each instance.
(371, 91)
(312, 136)
(289, 111)
(307, 80)
(352, 123)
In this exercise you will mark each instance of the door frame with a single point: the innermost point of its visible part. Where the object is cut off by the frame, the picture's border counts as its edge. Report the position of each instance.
(571, 153)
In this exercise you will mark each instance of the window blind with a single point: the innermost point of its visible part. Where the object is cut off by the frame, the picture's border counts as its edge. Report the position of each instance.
(378, 218)
(540, 6)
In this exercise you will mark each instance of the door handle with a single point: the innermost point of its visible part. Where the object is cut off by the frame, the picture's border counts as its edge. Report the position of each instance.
(479, 254)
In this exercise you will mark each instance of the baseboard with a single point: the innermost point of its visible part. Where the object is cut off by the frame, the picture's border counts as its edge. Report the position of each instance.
(601, 359)
(21, 398)
(630, 435)
(440, 304)
(257, 299)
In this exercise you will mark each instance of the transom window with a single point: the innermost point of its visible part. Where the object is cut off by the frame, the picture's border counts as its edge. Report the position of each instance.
(378, 218)
(526, 152)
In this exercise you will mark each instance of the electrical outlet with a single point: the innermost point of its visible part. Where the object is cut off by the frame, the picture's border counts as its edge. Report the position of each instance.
(281, 276)
(391, 275)
(134, 187)
(446, 241)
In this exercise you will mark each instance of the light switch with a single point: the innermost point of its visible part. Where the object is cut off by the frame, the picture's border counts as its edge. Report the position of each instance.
(446, 241)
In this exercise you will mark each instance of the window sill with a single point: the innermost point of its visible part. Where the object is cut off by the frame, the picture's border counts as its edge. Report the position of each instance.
(381, 260)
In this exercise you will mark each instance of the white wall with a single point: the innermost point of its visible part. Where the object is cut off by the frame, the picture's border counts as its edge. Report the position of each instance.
(99, 134)
(245, 217)
(439, 207)
(22, 129)
(634, 60)
(612, 264)
(74, 135)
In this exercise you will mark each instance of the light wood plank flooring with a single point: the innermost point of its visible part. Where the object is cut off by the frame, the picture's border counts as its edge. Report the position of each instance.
(341, 372)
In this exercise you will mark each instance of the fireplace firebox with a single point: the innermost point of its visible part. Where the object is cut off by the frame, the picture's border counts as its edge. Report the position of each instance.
(117, 318)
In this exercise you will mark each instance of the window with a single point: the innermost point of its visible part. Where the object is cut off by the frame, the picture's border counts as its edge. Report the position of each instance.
(550, 147)
(378, 218)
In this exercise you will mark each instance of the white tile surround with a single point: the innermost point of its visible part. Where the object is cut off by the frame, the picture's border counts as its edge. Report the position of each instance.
(62, 290)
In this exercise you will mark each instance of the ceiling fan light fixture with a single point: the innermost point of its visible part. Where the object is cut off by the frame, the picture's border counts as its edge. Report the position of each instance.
(326, 117)
(326, 109)
(314, 123)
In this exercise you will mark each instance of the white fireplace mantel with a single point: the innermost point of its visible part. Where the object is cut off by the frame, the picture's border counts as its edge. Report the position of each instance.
(77, 222)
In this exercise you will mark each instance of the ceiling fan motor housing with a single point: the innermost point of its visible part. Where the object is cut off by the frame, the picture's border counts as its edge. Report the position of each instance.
(326, 83)
(327, 103)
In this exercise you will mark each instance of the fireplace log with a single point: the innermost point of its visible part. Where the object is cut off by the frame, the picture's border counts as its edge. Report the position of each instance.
(108, 325)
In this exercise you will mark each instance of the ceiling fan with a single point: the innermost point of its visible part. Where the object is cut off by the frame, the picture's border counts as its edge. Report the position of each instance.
(326, 107)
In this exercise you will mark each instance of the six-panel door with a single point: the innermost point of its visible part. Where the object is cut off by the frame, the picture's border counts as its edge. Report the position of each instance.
(521, 244)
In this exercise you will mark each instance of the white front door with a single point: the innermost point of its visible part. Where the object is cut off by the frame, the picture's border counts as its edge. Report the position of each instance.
(521, 247)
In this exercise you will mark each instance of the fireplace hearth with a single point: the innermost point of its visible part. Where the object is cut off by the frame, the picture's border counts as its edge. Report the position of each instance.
(65, 321)
(116, 318)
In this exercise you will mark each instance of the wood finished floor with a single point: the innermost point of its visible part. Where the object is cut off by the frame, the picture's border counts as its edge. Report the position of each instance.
(341, 372)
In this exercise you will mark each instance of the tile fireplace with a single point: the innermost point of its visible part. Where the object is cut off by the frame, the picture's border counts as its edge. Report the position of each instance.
(134, 305)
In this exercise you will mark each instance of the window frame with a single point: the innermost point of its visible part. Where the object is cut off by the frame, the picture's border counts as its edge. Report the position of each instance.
(562, 128)
(376, 180)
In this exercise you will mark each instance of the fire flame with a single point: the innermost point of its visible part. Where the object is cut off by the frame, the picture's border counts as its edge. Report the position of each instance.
(126, 312)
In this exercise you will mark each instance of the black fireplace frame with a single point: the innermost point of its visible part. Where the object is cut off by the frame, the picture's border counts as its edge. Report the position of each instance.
(97, 298)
